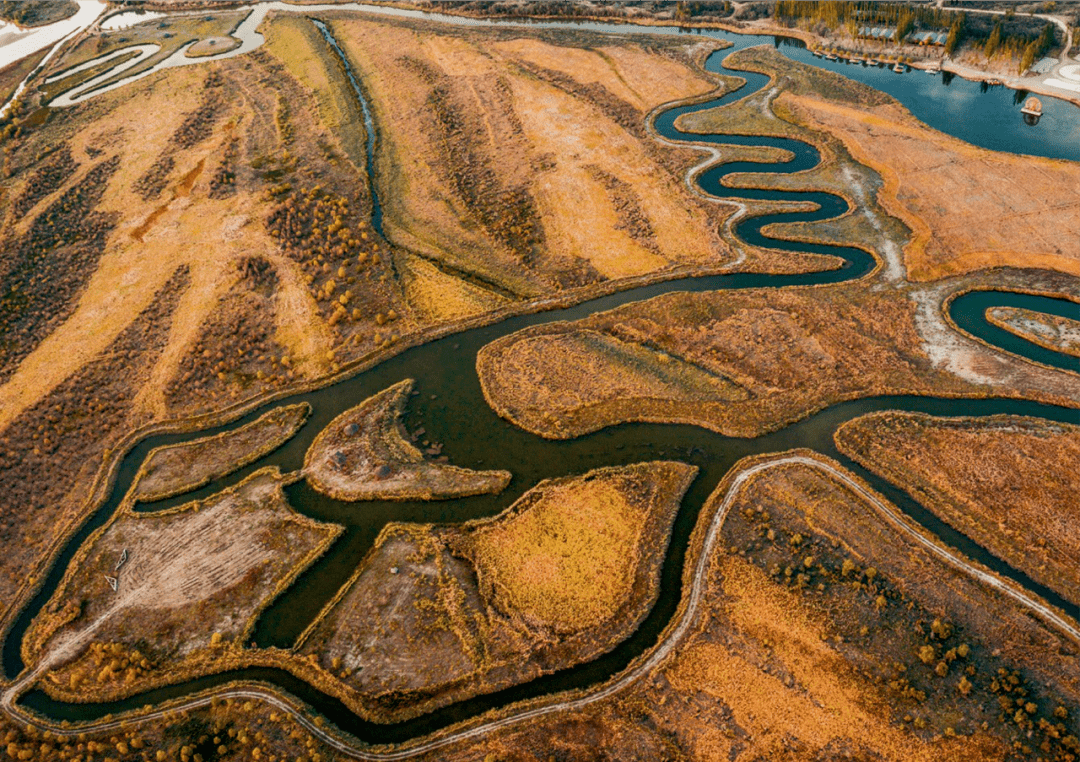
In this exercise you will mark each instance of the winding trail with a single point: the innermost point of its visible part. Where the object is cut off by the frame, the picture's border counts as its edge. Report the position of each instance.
(705, 178)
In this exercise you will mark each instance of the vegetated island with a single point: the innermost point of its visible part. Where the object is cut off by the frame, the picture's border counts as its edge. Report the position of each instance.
(817, 628)
(1008, 483)
(738, 362)
(365, 454)
(1061, 334)
(31, 13)
(154, 598)
(176, 469)
(440, 613)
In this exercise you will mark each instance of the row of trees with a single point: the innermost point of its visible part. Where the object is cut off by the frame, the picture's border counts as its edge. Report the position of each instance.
(1037, 48)
(1004, 38)
(834, 13)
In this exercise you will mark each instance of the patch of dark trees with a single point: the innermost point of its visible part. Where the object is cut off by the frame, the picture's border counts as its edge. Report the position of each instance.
(43, 272)
(49, 446)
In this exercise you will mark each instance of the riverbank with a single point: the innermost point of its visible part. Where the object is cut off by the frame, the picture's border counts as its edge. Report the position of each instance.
(466, 423)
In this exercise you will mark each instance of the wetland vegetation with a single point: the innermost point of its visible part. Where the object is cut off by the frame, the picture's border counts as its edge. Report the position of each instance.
(180, 250)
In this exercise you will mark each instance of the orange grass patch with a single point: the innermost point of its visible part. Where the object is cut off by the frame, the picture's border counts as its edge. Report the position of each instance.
(970, 208)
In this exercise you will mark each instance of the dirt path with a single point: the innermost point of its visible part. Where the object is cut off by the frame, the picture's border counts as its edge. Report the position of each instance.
(659, 653)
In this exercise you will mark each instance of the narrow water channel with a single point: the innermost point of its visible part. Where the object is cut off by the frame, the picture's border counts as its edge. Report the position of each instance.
(451, 407)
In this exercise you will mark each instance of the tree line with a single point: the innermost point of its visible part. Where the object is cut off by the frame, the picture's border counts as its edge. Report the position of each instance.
(1007, 36)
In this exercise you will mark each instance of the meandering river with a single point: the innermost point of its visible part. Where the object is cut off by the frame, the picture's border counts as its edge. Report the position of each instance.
(452, 409)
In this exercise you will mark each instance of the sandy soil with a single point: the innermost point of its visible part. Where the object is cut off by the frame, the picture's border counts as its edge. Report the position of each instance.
(1053, 332)
(188, 580)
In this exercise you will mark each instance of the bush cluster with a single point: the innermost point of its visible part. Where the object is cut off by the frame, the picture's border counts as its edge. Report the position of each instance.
(43, 271)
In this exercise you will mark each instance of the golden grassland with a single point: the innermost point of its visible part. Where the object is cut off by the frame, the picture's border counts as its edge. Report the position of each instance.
(175, 469)
(521, 141)
(190, 583)
(1054, 332)
(568, 555)
(253, 159)
(824, 633)
(1008, 483)
(296, 42)
(436, 614)
(366, 454)
(124, 320)
(969, 208)
(772, 356)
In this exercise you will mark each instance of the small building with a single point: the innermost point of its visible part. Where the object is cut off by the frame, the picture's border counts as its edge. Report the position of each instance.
(1032, 107)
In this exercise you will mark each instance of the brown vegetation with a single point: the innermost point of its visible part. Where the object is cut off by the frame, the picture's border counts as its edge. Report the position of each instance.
(825, 633)
(366, 454)
(969, 208)
(226, 730)
(175, 469)
(1008, 483)
(436, 614)
(50, 452)
(189, 583)
(741, 363)
(494, 179)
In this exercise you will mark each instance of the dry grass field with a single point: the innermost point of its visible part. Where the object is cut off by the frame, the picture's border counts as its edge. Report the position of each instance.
(738, 362)
(1009, 484)
(366, 454)
(1051, 331)
(529, 169)
(181, 468)
(190, 582)
(969, 208)
(824, 633)
(436, 614)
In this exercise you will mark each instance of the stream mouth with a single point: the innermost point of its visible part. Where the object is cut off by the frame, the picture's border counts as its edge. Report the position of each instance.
(452, 408)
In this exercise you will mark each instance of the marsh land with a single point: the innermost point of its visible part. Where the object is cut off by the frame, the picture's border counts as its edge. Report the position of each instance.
(381, 384)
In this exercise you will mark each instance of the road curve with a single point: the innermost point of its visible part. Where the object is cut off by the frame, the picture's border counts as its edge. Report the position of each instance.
(660, 652)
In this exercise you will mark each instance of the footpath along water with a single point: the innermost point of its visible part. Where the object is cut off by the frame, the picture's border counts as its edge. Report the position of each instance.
(452, 408)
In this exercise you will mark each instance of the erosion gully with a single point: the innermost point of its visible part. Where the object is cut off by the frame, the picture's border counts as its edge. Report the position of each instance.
(451, 407)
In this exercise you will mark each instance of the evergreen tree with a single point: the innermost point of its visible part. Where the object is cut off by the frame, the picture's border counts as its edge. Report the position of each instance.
(994, 42)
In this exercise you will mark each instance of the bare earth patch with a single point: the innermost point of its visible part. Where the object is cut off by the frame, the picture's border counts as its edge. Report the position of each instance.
(436, 614)
(1008, 483)
(176, 469)
(182, 587)
(365, 454)
(1051, 331)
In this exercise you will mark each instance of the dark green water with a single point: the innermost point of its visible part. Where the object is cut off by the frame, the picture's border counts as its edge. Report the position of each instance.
(452, 409)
